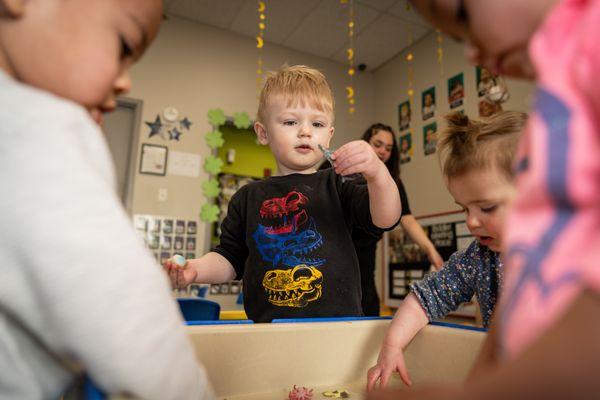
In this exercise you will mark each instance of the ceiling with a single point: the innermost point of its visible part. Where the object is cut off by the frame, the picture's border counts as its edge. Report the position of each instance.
(320, 27)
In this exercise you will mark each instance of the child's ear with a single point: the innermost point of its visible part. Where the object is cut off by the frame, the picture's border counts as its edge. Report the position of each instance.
(12, 8)
(261, 133)
(330, 135)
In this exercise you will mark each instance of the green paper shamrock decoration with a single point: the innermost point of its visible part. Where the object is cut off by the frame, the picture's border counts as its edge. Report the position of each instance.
(241, 120)
(211, 188)
(214, 139)
(216, 117)
(213, 165)
(209, 213)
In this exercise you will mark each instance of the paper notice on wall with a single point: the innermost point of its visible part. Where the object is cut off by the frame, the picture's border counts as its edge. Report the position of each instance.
(184, 164)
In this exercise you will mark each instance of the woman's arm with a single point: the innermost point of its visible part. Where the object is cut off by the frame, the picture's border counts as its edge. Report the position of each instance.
(417, 234)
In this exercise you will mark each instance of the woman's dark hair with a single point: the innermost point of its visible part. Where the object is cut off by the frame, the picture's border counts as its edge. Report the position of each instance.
(393, 163)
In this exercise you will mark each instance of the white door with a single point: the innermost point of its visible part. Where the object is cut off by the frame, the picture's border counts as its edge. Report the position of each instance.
(121, 129)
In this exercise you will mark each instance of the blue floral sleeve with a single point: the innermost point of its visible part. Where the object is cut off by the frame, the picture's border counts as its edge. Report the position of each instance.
(474, 271)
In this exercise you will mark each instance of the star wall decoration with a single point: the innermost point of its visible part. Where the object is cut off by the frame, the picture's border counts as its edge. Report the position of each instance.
(170, 129)
(155, 127)
(185, 123)
(174, 134)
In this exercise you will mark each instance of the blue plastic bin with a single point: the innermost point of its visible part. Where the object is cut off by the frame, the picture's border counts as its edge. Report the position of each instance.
(198, 309)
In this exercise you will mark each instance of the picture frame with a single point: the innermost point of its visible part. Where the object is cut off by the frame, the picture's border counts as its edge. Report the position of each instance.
(430, 138)
(191, 227)
(178, 244)
(179, 227)
(166, 242)
(153, 160)
(406, 147)
(404, 115)
(167, 226)
(428, 103)
(456, 90)
(190, 243)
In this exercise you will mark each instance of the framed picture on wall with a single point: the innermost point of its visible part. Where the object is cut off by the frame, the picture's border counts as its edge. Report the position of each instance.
(154, 159)
(456, 90)
(404, 115)
(429, 138)
(428, 103)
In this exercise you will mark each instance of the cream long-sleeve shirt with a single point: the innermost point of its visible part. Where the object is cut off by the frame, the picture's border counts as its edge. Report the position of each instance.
(73, 270)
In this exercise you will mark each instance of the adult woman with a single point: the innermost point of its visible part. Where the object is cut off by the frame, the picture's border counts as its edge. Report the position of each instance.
(381, 138)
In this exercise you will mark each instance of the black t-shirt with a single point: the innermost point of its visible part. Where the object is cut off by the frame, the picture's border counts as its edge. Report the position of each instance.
(289, 239)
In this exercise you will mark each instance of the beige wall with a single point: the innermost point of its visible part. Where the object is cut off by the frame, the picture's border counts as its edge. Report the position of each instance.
(194, 68)
(421, 175)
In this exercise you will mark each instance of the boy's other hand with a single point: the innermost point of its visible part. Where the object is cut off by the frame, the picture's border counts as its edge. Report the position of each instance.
(180, 276)
(390, 360)
(358, 157)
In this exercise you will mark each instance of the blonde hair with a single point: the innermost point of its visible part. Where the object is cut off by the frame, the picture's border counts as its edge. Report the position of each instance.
(296, 84)
(470, 144)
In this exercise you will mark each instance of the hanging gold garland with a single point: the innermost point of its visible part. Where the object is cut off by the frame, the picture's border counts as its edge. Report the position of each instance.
(350, 57)
(409, 60)
(440, 51)
(260, 43)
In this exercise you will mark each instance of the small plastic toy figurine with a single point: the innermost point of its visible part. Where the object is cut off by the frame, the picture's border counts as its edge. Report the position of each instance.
(178, 260)
(300, 393)
(328, 153)
(337, 394)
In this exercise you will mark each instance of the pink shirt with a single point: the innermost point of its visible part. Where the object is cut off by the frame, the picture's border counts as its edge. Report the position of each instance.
(553, 245)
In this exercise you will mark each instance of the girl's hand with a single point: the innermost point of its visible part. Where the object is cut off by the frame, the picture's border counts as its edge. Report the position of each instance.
(358, 157)
(390, 360)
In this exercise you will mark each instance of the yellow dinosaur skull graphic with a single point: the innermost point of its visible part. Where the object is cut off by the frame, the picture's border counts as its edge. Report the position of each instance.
(293, 287)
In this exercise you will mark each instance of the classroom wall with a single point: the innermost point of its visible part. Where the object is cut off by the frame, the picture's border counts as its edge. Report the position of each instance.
(421, 176)
(194, 68)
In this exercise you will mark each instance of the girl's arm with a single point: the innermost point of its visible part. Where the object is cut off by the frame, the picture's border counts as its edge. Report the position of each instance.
(443, 291)
(562, 364)
(430, 298)
(408, 321)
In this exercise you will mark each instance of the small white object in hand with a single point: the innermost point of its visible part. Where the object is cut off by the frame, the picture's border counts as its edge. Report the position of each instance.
(179, 260)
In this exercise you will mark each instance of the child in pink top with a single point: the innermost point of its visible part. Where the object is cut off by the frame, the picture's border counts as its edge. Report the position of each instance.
(544, 342)
(556, 258)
